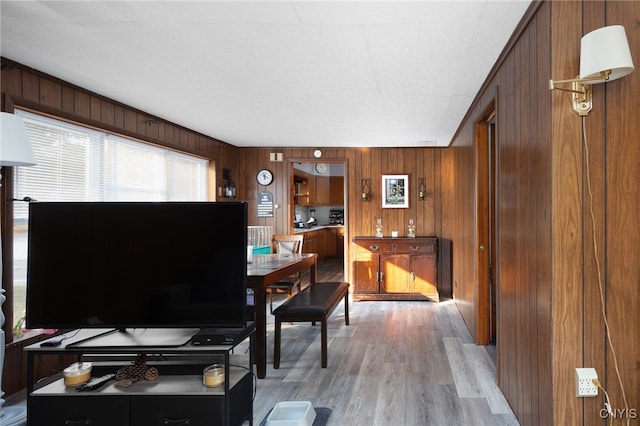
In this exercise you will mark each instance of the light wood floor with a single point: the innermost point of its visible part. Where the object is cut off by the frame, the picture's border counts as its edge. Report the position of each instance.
(397, 363)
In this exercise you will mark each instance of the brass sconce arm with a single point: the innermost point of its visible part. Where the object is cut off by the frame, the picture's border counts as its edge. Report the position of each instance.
(604, 75)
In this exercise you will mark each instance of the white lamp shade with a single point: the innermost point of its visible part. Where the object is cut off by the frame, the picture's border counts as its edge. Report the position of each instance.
(15, 149)
(604, 49)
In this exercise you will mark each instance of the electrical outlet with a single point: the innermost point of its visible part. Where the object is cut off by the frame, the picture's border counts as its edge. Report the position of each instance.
(584, 382)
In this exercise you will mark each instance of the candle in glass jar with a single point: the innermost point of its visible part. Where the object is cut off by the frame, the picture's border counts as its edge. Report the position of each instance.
(213, 376)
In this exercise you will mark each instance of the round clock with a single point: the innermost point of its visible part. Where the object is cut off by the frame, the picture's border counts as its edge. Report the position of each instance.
(322, 168)
(264, 177)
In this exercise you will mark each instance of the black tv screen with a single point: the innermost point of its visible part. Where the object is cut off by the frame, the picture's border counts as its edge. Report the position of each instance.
(137, 264)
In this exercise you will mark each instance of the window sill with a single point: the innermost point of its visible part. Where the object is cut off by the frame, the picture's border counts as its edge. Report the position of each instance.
(32, 336)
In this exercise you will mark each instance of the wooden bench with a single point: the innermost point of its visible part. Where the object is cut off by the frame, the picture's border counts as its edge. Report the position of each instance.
(314, 303)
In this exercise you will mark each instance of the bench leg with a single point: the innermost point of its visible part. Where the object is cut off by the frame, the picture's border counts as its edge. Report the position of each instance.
(323, 341)
(276, 343)
(346, 309)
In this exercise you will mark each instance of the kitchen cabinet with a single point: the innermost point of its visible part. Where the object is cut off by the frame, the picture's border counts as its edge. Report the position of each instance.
(336, 190)
(321, 194)
(311, 243)
(329, 242)
(395, 268)
(177, 396)
(340, 242)
(301, 190)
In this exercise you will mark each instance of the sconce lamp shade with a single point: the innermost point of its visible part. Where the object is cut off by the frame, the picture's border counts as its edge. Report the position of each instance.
(15, 149)
(605, 49)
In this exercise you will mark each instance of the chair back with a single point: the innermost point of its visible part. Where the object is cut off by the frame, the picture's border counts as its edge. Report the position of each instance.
(259, 236)
(287, 244)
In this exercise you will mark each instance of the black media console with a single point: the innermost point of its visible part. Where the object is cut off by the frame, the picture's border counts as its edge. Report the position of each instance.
(176, 397)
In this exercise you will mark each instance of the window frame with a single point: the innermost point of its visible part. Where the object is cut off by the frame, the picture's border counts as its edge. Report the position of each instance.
(206, 166)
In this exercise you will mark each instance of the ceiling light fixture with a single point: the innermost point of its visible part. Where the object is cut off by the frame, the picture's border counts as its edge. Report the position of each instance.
(604, 56)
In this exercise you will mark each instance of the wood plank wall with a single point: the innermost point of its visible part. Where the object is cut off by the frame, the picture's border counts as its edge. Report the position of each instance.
(548, 301)
(549, 319)
(360, 163)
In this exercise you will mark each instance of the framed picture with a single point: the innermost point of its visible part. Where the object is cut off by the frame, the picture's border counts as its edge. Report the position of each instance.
(395, 191)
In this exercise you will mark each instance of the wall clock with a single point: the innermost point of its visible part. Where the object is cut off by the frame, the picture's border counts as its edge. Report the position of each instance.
(264, 177)
(322, 168)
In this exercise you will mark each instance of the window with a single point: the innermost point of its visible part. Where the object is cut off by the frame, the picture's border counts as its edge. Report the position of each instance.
(75, 163)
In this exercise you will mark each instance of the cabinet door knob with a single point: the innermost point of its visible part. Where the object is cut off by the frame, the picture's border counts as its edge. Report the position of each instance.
(374, 248)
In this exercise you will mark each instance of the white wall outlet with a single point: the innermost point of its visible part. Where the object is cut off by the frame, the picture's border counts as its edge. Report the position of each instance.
(584, 382)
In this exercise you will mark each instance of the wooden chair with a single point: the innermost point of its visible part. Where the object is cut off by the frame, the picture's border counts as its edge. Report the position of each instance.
(285, 244)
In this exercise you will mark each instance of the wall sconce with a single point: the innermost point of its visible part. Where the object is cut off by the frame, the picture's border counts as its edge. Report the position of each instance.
(366, 188)
(229, 186)
(604, 56)
(422, 188)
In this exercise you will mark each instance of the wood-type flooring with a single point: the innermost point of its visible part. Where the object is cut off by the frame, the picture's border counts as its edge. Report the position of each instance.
(397, 363)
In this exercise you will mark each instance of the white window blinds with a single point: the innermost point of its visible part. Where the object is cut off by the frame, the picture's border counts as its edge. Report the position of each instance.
(80, 164)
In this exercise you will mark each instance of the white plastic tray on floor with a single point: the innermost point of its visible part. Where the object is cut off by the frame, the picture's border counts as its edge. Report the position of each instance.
(292, 413)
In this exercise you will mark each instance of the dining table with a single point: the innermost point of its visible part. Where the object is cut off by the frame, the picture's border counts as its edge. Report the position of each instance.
(264, 270)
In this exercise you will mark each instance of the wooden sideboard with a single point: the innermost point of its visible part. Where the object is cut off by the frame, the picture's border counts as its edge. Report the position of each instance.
(395, 268)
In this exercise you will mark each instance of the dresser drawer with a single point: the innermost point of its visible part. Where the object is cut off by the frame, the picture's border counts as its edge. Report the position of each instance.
(419, 247)
(94, 410)
(176, 410)
(375, 247)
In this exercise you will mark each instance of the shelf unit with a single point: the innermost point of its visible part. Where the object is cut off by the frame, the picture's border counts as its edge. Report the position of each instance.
(176, 397)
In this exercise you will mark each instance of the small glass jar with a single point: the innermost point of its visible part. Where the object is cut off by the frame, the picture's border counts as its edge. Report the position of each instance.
(77, 374)
(411, 229)
(213, 376)
(379, 227)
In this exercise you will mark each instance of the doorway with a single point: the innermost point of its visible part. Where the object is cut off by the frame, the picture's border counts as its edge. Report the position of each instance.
(487, 249)
(318, 208)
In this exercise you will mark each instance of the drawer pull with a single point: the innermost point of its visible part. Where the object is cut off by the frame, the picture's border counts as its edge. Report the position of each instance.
(374, 248)
(77, 422)
(185, 422)
(414, 248)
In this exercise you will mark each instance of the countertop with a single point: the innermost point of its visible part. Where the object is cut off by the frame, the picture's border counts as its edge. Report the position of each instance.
(315, 228)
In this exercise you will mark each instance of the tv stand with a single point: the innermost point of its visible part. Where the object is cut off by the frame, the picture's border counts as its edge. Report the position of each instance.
(177, 396)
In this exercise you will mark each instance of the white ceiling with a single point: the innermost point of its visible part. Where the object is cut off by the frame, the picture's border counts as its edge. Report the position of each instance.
(274, 73)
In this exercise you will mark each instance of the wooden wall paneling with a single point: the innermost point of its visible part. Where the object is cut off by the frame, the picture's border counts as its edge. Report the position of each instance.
(82, 106)
(623, 229)
(68, 100)
(11, 81)
(50, 93)
(567, 223)
(505, 311)
(30, 87)
(525, 249)
(542, 133)
(463, 234)
(594, 168)
(107, 115)
(95, 114)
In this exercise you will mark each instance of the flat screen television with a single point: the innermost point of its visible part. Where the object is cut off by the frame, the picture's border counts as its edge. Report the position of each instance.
(127, 265)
